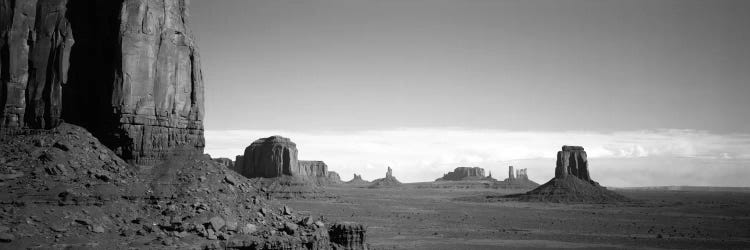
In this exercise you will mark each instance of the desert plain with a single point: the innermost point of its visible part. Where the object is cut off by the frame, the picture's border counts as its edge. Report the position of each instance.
(414, 217)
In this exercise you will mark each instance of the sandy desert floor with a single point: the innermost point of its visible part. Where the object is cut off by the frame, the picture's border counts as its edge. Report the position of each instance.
(416, 218)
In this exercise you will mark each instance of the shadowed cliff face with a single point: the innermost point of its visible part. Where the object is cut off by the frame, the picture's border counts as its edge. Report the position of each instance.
(35, 45)
(133, 77)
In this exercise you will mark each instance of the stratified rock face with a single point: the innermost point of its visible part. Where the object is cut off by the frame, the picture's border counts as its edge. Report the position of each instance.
(271, 157)
(572, 160)
(158, 94)
(571, 183)
(226, 162)
(348, 235)
(313, 169)
(35, 45)
(357, 180)
(238, 164)
(132, 77)
(463, 173)
(334, 178)
(388, 181)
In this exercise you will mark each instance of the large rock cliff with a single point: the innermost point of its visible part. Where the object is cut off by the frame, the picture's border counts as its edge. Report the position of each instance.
(571, 182)
(127, 70)
(270, 157)
(572, 160)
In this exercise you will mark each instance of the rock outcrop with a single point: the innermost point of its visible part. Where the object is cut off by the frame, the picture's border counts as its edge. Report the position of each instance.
(128, 71)
(517, 179)
(274, 161)
(271, 157)
(463, 174)
(348, 235)
(357, 180)
(571, 183)
(572, 160)
(314, 169)
(80, 194)
(226, 162)
(388, 181)
(334, 178)
(276, 156)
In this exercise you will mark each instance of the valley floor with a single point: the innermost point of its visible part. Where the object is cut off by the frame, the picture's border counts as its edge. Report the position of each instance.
(418, 218)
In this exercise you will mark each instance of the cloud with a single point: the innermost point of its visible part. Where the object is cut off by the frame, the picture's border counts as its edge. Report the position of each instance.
(423, 154)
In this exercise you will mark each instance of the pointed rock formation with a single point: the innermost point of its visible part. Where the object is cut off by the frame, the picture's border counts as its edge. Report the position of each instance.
(348, 235)
(357, 180)
(572, 182)
(388, 181)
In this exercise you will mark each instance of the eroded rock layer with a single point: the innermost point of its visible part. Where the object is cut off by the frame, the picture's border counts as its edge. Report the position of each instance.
(348, 235)
(463, 173)
(572, 160)
(571, 182)
(35, 45)
(315, 169)
(334, 178)
(127, 70)
(270, 157)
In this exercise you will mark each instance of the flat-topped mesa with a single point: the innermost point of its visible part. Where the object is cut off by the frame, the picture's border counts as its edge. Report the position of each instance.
(270, 157)
(127, 71)
(572, 160)
(464, 173)
(334, 178)
(317, 169)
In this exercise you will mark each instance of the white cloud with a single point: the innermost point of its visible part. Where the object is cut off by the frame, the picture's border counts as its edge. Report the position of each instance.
(425, 154)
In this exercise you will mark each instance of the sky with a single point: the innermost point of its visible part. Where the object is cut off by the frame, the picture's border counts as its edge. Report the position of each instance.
(657, 90)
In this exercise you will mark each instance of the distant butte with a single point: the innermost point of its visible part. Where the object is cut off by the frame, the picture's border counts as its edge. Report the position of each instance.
(572, 182)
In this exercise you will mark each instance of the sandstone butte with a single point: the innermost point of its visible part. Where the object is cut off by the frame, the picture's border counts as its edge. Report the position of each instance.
(127, 71)
(572, 182)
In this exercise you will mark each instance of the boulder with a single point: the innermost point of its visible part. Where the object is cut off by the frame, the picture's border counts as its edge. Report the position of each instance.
(128, 71)
(348, 235)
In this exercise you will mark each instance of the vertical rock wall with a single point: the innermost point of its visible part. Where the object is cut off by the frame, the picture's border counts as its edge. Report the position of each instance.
(158, 90)
(348, 235)
(35, 44)
(270, 157)
(132, 77)
(572, 160)
(313, 168)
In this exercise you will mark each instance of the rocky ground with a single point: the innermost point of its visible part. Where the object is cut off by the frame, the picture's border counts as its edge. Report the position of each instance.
(423, 218)
(64, 189)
